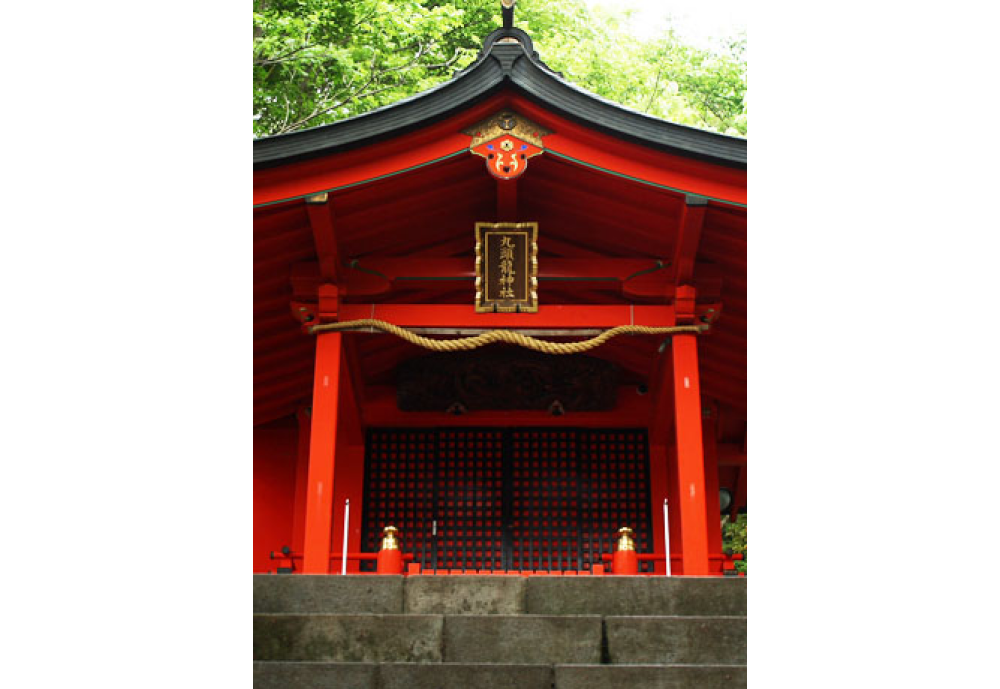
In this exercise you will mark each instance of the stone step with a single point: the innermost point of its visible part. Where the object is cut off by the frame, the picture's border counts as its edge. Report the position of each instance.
(664, 640)
(328, 593)
(636, 595)
(315, 675)
(524, 639)
(400, 676)
(464, 676)
(465, 595)
(325, 675)
(362, 638)
(650, 676)
(500, 595)
(427, 638)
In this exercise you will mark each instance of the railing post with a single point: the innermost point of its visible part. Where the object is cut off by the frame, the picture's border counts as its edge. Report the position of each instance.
(625, 560)
(390, 557)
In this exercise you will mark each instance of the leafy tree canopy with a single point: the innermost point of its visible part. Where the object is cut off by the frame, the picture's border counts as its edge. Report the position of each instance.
(317, 61)
(734, 539)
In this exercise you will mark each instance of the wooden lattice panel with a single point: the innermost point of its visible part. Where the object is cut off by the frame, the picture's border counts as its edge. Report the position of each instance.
(507, 499)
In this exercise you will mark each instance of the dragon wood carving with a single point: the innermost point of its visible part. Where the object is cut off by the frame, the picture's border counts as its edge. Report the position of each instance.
(496, 378)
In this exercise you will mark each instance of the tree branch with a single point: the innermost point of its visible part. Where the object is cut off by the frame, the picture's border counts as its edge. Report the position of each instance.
(317, 112)
(656, 86)
(281, 58)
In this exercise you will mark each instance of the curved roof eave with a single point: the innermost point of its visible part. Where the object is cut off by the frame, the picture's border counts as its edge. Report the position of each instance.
(385, 122)
(498, 64)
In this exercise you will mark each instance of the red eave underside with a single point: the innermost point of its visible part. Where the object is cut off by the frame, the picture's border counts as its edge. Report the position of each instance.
(393, 201)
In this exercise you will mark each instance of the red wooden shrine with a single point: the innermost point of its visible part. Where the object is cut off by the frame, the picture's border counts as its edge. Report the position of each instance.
(639, 222)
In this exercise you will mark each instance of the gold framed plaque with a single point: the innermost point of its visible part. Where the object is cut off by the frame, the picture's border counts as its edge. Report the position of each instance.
(507, 267)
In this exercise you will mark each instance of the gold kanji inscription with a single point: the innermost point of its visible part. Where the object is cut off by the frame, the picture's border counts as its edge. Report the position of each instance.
(507, 267)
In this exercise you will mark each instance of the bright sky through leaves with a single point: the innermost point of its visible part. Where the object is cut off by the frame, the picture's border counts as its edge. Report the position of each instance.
(700, 22)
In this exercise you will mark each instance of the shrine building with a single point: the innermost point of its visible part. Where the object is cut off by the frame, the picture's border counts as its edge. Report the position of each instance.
(506, 317)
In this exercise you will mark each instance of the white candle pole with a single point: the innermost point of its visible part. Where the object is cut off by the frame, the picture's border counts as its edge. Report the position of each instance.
(347, 520)
(666, 535)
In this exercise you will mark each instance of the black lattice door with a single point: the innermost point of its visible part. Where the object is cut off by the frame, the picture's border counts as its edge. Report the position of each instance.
(507, 499)
(469, 502)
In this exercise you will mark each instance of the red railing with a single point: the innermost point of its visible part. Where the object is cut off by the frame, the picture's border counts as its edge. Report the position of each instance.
(287, 559)
(287, 563)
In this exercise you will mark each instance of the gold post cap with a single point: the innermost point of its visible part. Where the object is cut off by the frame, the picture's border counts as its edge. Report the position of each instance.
(625, 540)
(390, 538)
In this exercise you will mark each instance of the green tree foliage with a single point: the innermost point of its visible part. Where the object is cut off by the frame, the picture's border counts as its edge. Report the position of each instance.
(662, 76)
(734, 539)
(317, 61)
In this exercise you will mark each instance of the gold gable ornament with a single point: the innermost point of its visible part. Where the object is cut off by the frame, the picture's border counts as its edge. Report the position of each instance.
(507, 140)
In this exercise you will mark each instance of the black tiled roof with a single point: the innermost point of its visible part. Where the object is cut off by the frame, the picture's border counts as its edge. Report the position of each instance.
(500, 65)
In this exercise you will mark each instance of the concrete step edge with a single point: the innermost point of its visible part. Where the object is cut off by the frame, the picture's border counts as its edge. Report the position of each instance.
(330, 663)
(498, 616)
(496, 594)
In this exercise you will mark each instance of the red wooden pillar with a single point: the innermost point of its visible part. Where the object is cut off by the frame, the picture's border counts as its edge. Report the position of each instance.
(322, 450)
(690, 453)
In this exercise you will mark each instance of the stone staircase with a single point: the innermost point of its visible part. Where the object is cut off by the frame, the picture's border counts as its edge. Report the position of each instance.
(462, 632)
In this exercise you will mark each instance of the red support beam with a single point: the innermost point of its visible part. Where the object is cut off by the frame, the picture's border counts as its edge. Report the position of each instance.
(426, 267)
(321, 221)
(322, 449)
(547, 316)
(688, 235)
(692, 507)
(373, 279)
(690, 455)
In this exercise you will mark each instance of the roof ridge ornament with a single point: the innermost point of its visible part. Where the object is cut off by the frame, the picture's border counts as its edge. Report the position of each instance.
(507, 8)
(504, 40)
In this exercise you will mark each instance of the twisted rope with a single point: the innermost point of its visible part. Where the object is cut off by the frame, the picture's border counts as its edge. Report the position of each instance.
(510, 337)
